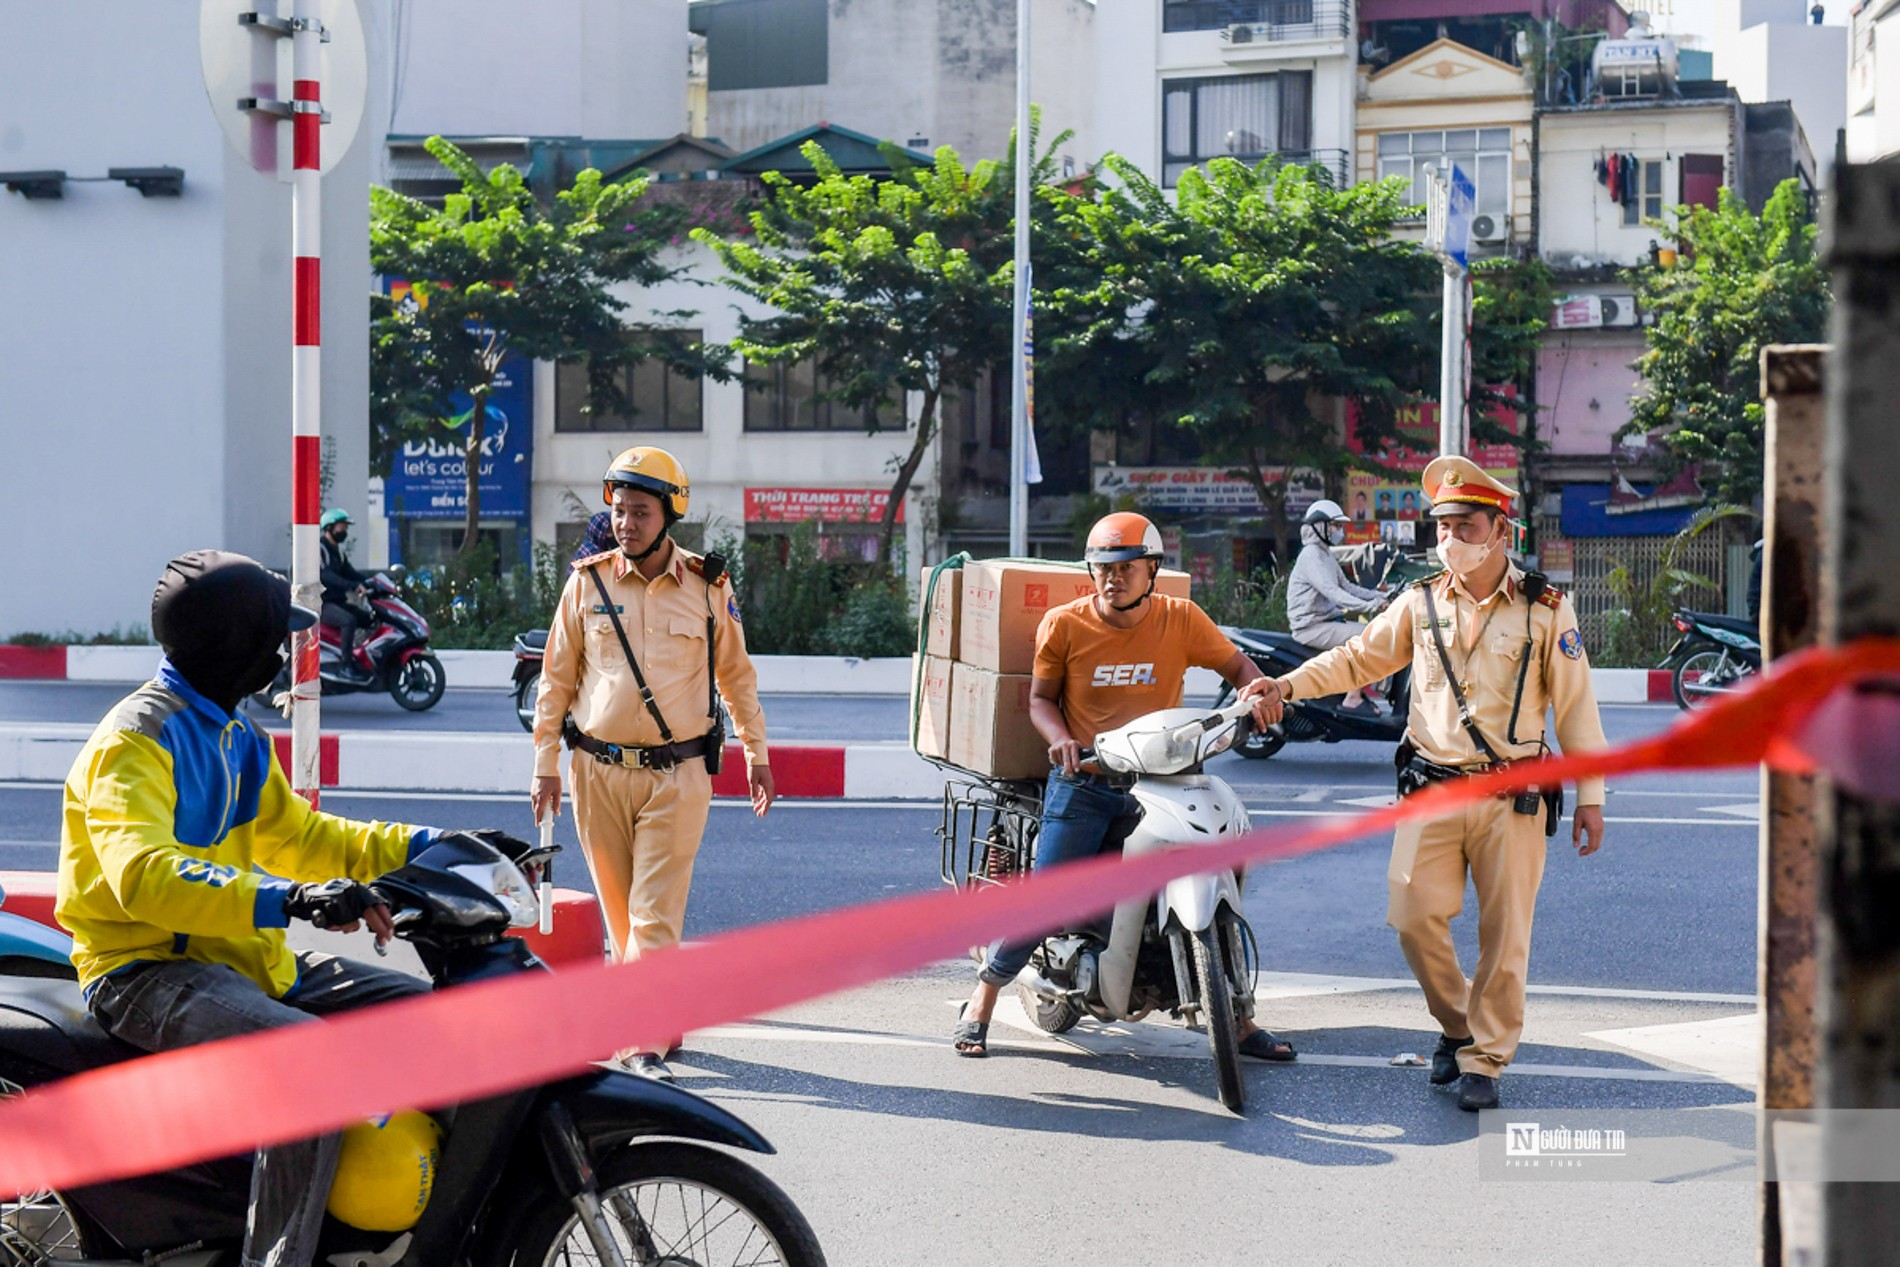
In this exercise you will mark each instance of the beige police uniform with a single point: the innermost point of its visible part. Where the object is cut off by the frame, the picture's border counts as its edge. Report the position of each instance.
(1503, 851)
(640, 829)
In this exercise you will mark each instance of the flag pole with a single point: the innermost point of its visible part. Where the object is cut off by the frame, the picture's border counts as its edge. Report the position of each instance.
(1019, 377)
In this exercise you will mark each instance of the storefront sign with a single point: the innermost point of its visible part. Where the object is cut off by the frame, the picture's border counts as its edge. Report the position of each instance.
(822, 505)
(428, 479)
(1198, 490)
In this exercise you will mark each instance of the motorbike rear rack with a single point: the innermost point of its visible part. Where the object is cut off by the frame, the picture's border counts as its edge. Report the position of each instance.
(989, 829)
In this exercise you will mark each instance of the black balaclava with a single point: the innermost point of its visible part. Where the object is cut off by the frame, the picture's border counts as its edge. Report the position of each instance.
(222, 619)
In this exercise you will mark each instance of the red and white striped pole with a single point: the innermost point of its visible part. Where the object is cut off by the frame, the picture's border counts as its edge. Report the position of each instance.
(306, 397)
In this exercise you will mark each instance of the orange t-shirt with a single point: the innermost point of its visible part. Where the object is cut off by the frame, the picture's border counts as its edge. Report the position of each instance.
(1111, 676)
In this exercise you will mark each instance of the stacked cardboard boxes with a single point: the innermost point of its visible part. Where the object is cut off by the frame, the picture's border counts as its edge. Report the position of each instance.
(971, 698)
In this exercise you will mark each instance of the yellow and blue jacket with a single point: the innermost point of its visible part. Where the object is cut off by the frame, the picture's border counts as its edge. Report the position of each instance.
(181, 838)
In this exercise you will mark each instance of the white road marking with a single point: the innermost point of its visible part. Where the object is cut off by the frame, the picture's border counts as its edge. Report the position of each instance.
(1728, 1047)
(1293, 985)
(1751, 811)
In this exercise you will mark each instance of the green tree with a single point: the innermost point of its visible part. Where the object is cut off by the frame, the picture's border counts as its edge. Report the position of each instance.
(1246, 309)
(494, 273)
(1741, 281)
(889, 285)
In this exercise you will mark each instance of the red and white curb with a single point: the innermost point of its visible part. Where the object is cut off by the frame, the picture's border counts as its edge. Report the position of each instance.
(778, 675)
(417, 761)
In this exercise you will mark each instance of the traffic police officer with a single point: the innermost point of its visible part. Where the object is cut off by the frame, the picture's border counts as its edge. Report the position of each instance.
(640, 634)
(1491, 649)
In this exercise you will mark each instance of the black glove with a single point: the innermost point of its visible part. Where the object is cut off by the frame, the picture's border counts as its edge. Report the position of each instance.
(331, 904)
(512, 848)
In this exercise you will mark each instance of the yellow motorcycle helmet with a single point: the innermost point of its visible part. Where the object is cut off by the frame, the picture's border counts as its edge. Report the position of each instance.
(653, 471)
(386, 1172)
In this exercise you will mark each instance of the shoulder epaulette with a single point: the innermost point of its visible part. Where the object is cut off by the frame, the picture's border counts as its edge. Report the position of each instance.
(1427, 580)
(697, 566)
(1552, 597)
(592, 559)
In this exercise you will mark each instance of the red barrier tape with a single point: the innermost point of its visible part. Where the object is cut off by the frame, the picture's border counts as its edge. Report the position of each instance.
(176, 1108)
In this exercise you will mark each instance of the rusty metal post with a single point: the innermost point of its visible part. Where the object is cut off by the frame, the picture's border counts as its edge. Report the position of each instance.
(1791, 381)
(1858, 960)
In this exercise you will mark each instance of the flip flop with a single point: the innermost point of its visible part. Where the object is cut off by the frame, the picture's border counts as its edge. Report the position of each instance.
(1266, 1045)
(976, 1034)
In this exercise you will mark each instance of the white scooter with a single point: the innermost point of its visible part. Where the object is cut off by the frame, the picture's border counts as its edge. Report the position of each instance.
(1187, 950)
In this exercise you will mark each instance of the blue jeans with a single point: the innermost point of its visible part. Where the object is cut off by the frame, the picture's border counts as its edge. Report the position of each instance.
(159, 1006)
(1078, 815)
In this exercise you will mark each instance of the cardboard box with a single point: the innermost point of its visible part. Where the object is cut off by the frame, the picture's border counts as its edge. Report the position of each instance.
(1004, 602)
(930, 708)
(941, 611)
(990, 730)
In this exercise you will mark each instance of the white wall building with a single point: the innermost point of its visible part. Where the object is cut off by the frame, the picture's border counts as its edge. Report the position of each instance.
(1873, 80)
(1179, 82)
(1775, 52)
(923, 73)
(145, 342)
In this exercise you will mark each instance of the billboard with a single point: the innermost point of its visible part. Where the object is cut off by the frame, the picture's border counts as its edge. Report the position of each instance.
(428, 478)
(1201, 490)
(1388, 508)
(823, 505)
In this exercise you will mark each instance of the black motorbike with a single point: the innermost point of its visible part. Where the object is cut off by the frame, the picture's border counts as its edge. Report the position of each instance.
(1316, 720)
(530, 648)
(589, 1168)
(1715, 655)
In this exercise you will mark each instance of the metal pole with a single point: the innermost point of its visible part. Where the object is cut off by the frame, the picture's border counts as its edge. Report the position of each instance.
(1019, 334)
(1790, 610)
(306, 388)
(1858, 1007)
(1451, 363)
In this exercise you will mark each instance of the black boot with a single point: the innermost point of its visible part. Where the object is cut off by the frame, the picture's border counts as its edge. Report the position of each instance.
(1475, 1091)
(1445, 1059)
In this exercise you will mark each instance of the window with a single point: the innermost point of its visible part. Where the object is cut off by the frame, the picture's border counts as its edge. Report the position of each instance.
(1484, 154)
(1649, 205)
(1246, 117)
(789, 398)
(663, 398)
(1702, 180)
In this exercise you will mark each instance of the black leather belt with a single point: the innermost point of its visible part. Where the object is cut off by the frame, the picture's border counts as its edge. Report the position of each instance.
(1116, 782)
(660, 757)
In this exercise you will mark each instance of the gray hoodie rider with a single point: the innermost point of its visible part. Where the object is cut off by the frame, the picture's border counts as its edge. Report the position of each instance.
(1318, 592)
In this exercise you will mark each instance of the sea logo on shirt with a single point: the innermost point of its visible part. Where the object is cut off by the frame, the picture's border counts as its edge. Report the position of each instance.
(195, 871)
(1124, 675)
(1571, 644)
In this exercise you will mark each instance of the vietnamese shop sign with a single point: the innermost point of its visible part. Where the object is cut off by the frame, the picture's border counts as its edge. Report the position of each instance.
(822, 505)
(1200, 490)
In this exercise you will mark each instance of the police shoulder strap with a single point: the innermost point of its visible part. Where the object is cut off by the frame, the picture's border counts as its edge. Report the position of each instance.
(646, 692)
(1536, 588)
(1451, 676)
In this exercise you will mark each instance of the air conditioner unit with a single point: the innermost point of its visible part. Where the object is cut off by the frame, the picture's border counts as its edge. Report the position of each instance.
(1245, 32)
(1619, 310)
(1490, 229)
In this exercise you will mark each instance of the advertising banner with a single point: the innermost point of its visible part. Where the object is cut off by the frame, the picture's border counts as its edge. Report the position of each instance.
(1388, 508)
(824, 505)
(1200, 490)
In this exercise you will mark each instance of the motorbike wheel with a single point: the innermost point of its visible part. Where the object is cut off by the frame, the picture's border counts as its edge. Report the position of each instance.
(524, 701)
(1052, 1016)
(1703, 676)
(1261, 744)
(676, 1203)
(1217, 1013)
(418, 685)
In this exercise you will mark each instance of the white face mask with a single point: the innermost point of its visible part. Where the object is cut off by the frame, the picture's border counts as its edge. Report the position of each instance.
(1463, 557)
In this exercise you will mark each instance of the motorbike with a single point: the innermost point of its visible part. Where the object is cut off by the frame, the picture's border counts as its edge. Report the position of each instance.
(530, 648)
(395, 657)
(1312, 720)
(1187, 951)
(604, 1166)
(1714, 656)
(28, 949)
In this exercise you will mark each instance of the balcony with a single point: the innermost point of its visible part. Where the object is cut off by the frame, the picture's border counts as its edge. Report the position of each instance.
(1257, 22)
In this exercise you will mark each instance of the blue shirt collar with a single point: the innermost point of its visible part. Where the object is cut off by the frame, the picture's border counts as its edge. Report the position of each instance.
(174, 681)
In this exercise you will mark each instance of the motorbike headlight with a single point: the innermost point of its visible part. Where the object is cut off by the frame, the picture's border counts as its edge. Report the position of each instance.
(1166, 751)
(511, 888)
(1222, 741)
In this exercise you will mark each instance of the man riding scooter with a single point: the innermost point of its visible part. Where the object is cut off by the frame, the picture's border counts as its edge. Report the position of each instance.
(1319, 597)
(345, 600)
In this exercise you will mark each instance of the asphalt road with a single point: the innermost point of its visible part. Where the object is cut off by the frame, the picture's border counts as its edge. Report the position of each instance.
(1108, 1144)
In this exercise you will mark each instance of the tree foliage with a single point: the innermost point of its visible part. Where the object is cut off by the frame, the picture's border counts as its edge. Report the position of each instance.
(1244, 309)
(1741, 282)
(889, 285)
(494, 273)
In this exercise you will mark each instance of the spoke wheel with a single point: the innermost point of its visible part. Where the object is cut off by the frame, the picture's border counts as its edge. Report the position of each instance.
(680, 1205)
(1704, 676)
(419, 684)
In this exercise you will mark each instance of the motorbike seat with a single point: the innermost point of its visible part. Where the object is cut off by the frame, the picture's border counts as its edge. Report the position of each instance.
(45, 1022)
(1284, 643)
(534, 641)
(1733, 624)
